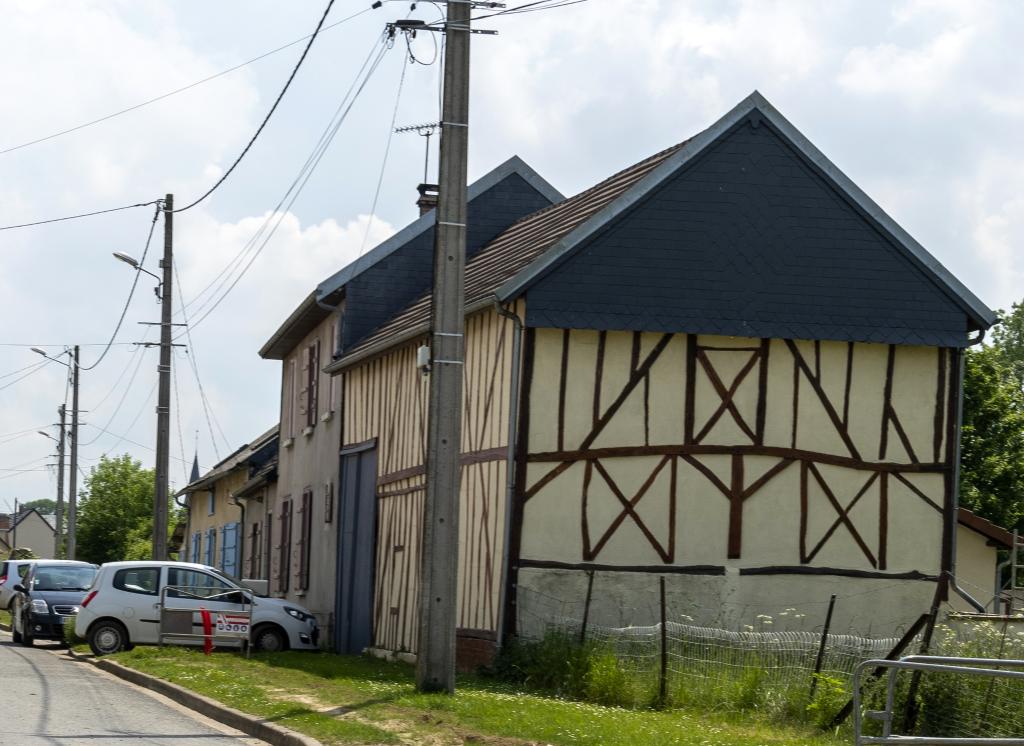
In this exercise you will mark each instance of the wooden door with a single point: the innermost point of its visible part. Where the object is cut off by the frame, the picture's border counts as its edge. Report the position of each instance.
(357, 534)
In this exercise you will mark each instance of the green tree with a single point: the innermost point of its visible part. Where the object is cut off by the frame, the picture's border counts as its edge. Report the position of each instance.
(43, 505)
(992, 440)
(116, 504)
(1008, 339)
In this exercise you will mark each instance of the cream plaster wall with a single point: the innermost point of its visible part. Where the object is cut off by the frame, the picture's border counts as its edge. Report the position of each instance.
(975, 568)
(618, 511)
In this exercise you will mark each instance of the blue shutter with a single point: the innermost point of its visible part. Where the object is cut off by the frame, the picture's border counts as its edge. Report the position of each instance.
(211, 546)
(197, 544)
(229, 550)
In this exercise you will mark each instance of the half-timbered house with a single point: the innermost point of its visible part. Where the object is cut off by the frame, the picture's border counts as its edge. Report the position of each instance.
(724, 366)
(321, 527)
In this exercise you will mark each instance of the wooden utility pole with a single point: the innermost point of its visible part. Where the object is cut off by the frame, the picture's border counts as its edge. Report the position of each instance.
(435, 658)
(163, 405)
(73, 481)
(58, 519)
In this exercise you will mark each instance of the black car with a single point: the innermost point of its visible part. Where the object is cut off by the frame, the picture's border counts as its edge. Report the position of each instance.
(49, 594)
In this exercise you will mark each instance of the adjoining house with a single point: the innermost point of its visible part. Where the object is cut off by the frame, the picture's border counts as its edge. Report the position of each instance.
(980, 547)
(724, 367)
(224, 527)
(309, 514)
(29, 529)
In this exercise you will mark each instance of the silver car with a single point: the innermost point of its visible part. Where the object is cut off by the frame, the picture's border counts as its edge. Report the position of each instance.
(123, 607)
(12, 572)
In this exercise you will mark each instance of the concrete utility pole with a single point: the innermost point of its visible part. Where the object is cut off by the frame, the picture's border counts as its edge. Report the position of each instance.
(73, 486)
(435, 659)
(163, 406)
(58, 519)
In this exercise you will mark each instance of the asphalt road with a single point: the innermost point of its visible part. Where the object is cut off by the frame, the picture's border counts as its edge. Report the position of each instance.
(48, 698)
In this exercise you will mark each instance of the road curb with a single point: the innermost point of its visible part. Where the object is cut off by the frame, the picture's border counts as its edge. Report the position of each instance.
(270, 732)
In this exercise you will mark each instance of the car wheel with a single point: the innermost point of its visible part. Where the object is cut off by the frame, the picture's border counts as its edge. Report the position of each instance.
(26, 637)
(108, 637)
(268, 639)
(15, 634)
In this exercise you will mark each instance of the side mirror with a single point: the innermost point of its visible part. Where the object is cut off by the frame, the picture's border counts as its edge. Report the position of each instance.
(19, 588)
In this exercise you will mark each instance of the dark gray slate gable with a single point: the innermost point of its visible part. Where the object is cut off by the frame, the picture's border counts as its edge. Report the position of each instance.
(377, 293)
(749, 238)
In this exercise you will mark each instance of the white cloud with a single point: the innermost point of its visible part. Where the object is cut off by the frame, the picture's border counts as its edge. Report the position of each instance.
(912, 73)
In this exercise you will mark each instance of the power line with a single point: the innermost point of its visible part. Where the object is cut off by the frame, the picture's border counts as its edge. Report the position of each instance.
(120, 403)
(387, 151)
(138, 414)
(36, 369)
(131, 293)
(21, 370)
(290, 195)
(222, 277)
(176, 91)
(28, 345)
(177, 413)
(195, 371)
(266, 119)
(79, 215)
(124, 370)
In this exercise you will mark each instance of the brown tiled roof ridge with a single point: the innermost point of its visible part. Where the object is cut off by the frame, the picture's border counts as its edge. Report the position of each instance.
(520, 244)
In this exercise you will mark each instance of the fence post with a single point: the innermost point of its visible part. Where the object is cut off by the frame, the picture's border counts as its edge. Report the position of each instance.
(821, 648)
(910, 716)
(586, 606)
(664, 647)
(892, 655)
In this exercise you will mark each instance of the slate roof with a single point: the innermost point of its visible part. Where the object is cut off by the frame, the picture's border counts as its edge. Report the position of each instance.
(233, 461)
(384, 280)
(745, 229)
(509, 253)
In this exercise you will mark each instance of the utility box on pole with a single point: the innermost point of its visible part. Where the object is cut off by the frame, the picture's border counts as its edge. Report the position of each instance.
(435, 659)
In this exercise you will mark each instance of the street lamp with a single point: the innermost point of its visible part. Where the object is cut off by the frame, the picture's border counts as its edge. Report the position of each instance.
(73, 486)
(134, 264)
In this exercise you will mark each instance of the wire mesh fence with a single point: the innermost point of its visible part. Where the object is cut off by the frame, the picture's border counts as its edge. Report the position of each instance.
(799, 674)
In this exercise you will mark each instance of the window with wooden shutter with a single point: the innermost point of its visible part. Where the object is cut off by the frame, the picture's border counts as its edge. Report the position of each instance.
(305, 536)
(312, 382)
(229, 549)
(255, 559)
(211, 546)
(197, 546)
(292, 403)
(285, 552)
(328, 502)
(268, 542)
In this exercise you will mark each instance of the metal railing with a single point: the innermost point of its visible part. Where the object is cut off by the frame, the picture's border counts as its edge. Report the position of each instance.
(226, 625)
(992, 668)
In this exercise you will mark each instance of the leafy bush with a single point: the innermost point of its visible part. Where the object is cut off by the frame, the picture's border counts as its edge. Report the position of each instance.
(829, 697)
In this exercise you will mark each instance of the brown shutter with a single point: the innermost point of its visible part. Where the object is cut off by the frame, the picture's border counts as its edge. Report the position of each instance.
(305, 536)
(250, 539)
(312, 381)
(268, 537)
(284, 558)
(328, 502)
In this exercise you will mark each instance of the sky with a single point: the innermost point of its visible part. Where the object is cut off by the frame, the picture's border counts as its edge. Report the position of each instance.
(919, 102)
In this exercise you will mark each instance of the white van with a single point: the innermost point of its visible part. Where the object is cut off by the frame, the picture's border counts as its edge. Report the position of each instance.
(122, 607)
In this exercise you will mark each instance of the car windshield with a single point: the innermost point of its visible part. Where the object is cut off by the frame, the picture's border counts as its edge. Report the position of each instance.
(63, 578)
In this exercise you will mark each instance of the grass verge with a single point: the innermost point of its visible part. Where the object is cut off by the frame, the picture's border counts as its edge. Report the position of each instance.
(5, 617)
(346, 699)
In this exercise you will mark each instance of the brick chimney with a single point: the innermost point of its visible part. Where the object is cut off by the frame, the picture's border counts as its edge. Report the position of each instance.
(428, 197)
